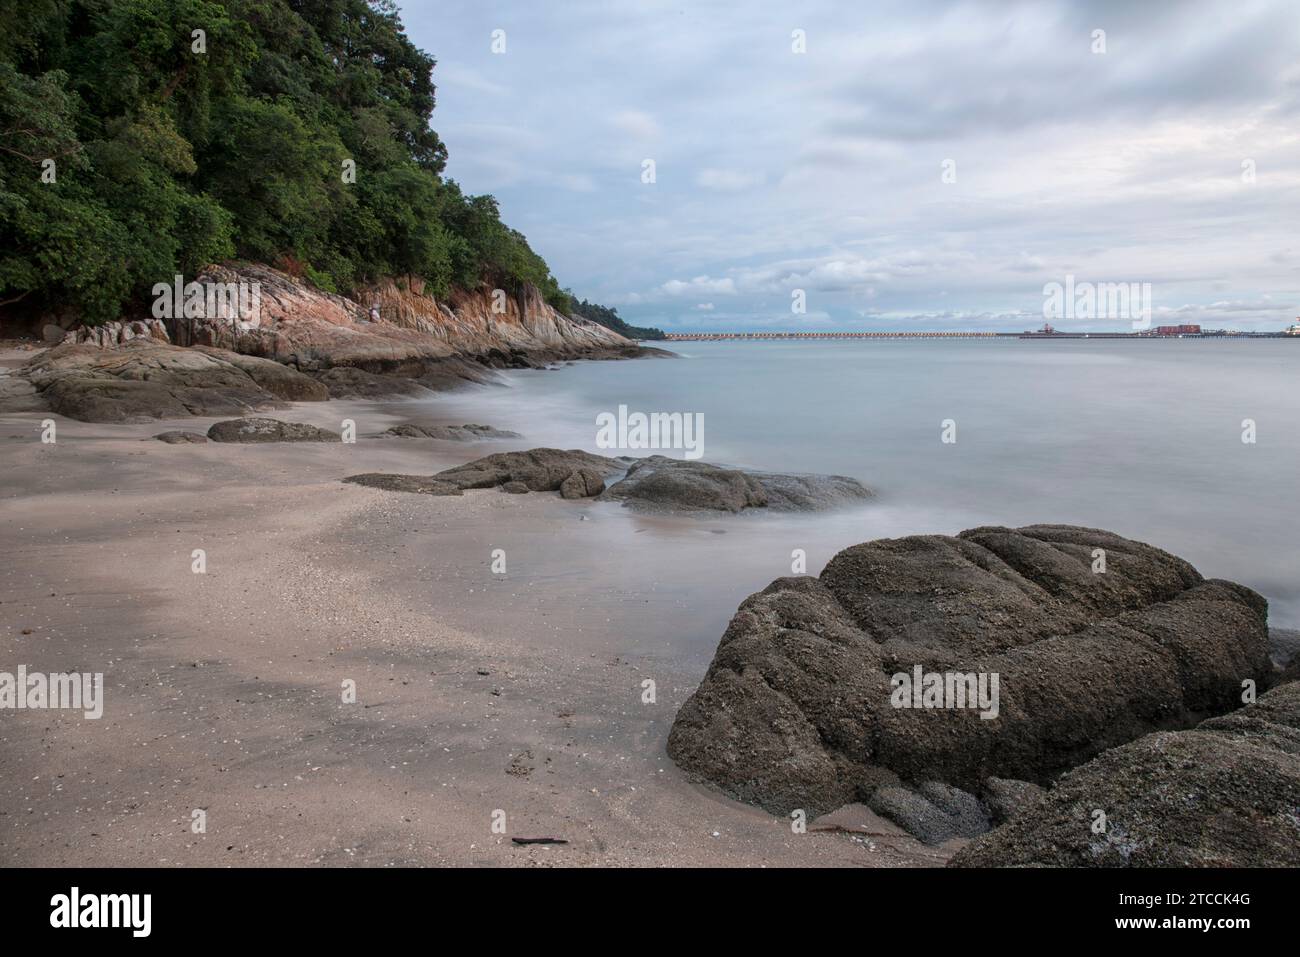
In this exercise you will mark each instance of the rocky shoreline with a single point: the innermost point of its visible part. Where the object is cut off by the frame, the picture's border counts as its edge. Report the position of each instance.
(303, 345)
(1142, 715)
(654, 484)
(1077, 757)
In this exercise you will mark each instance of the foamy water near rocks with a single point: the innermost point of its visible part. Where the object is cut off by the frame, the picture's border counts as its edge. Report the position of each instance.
(654, 484)
(658, 483)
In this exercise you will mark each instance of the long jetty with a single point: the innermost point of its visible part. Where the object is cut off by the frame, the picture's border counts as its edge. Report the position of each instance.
(716, 336)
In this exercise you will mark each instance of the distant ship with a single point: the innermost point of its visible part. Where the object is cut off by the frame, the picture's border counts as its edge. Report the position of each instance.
(1293, 329)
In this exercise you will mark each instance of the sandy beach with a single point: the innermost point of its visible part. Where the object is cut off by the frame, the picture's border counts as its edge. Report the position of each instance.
(223, 689)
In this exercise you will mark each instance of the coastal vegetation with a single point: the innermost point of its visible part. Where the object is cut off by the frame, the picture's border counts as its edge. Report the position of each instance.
(610, 319)
(144, 138)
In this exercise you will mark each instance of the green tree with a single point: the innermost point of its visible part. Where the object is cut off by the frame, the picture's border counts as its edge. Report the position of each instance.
(185, 132)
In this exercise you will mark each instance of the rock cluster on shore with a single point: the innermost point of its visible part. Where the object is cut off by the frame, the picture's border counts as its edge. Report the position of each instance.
(1225, 794)
(655, 484)
(799, 707)
(145, 379)
(316, 330)
(108, 335)
(255, 430)
(573, 474)
(659, 483)
(302, 344)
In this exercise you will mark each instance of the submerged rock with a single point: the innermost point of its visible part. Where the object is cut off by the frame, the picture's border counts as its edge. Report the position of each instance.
(254, 430)
(795, 711)
(539, 470)
(1223, 795)
(655, 484)
(659, 483)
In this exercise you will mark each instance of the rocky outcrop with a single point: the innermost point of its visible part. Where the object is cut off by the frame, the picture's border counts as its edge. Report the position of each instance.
(1223, 795)
(934, 812)
(343, 382)
(803, 705)
(147, 379)
(653, 484)
(470, 322)
(17, 394)
(451, 433)
(279, 380)
(293, 322)
(258, 430)
(538, 470)
(1007, 798)
(415, 345)
(582, 483)
(109, 335)
(658, 483)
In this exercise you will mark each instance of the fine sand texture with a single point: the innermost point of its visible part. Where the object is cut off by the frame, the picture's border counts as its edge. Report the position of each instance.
(224, 689)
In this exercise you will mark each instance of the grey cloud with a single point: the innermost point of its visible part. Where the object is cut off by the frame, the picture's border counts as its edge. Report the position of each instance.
(822, 170)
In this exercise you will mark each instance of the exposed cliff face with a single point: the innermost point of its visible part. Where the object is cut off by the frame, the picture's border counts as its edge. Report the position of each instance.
(241, 315)
(281, 318)
(471, 323)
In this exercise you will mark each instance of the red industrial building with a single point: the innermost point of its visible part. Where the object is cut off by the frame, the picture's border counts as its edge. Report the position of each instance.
(1178, 330)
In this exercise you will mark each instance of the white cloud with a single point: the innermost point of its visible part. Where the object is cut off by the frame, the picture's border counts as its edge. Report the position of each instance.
(700, 284)
(635, 123)
(822, 171)
(728, 180)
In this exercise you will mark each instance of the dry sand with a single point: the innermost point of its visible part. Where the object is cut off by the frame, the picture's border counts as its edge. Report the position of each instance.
(223, 690)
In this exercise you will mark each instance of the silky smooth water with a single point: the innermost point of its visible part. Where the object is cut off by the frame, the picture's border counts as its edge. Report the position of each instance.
(1143, 438)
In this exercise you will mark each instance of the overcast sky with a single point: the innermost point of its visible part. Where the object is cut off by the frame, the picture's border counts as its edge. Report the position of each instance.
(824, 170)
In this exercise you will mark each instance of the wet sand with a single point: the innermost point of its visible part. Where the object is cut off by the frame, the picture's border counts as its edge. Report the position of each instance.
(476, 693)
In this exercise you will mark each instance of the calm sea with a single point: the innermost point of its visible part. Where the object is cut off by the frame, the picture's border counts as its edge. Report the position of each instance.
(1142, 438)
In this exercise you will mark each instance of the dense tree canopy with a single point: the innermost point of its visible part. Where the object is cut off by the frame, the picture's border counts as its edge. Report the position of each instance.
(133, 147)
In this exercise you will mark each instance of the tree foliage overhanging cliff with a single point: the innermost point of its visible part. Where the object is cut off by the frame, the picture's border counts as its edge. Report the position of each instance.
(166, 159)
(610, 319)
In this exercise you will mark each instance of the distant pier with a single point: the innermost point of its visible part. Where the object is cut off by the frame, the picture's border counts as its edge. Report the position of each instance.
(781, 336)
